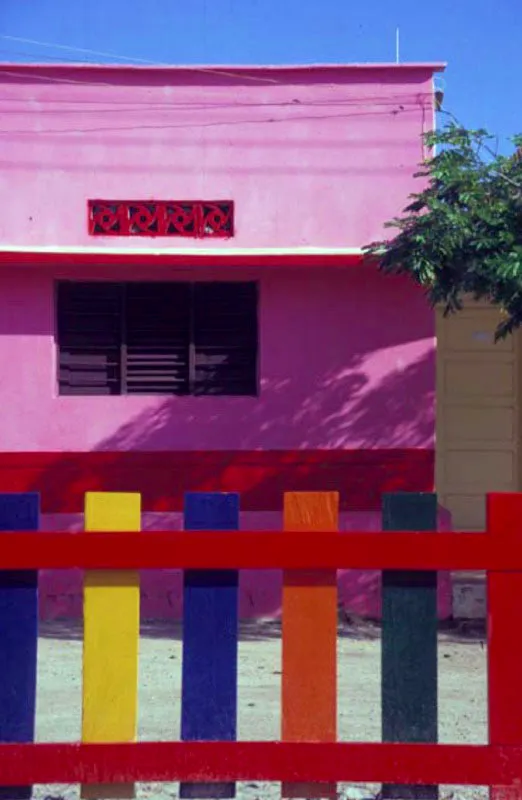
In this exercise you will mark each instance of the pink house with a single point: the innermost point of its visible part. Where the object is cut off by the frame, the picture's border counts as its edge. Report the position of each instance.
(184, 303)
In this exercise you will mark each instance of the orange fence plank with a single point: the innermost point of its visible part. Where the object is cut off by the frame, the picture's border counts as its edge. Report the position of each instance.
(309, 684)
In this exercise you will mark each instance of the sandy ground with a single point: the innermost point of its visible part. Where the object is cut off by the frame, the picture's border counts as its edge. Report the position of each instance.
(462, 694)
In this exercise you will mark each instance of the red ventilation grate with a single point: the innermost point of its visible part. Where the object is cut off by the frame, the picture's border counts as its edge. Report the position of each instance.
(190, 219)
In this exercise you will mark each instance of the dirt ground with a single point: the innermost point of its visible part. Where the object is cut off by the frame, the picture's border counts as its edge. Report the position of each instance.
(462, 694)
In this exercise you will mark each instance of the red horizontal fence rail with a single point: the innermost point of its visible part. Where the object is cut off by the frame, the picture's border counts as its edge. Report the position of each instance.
(471, 765)
(498, 764)
(260, 550)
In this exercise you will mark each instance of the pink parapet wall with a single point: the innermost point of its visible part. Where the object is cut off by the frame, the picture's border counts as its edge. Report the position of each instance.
(317, 157)
(259, 591)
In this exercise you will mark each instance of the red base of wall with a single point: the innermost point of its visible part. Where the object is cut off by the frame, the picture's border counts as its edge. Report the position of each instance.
(361, 476)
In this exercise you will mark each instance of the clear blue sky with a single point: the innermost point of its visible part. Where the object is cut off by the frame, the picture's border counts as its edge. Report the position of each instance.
(481, 40)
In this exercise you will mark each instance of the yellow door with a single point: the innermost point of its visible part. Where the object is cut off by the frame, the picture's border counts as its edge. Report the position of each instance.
(477, 413)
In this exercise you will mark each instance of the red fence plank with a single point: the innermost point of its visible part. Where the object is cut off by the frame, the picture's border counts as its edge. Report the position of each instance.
(504, 519)
(259, 550)
(260, 761)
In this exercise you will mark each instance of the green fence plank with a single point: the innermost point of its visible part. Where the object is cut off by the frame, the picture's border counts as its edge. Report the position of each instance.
(409, 640)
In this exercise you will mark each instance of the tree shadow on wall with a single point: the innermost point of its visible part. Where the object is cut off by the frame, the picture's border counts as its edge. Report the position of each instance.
(341, 410)
(342, 416)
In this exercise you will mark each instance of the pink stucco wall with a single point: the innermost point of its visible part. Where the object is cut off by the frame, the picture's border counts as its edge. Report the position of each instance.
(341, 364)
(318, 158)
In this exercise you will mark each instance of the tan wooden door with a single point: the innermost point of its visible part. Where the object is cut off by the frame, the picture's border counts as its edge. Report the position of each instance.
(477, 413)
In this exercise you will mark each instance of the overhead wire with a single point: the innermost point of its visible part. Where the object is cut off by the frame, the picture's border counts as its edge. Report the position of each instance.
(46, 79)
(35, 57)
(397, 103)
(74, 49)
(195, 125)
(11, 70)
(382, 100)
(136, 60)
(129, 106)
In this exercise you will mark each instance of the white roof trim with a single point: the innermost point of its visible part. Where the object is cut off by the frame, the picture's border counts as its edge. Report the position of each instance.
(232, 252)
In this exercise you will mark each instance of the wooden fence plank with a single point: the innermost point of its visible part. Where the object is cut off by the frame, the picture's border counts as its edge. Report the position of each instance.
(111, 637)
(210, 640)
(409, 640)
(18, 635)
(309, 631)
(504, 523)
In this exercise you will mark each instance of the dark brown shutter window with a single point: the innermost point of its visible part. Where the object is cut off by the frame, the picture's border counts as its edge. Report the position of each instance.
(157, 338)
(89, 337)
(225, 338)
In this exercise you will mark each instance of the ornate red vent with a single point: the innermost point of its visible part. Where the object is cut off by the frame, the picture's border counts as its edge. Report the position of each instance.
(171, 218)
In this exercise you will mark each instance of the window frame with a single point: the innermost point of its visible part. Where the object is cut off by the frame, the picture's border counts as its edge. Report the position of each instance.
(123, 344)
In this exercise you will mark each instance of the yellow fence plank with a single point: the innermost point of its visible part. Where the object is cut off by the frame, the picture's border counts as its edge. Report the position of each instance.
(111, 609)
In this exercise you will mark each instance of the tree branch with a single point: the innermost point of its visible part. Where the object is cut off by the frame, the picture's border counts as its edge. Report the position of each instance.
(488, 149)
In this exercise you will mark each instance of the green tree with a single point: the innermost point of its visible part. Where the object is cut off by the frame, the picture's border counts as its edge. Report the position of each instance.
(462, 234)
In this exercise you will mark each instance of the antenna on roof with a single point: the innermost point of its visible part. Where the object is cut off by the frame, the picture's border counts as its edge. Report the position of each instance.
(397, 46)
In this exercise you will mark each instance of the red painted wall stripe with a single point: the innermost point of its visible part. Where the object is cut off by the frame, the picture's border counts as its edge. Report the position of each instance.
(229, 260)
(262, 477)
(477, 765)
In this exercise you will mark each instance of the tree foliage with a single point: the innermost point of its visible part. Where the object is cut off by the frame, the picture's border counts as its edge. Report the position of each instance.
(462, 234)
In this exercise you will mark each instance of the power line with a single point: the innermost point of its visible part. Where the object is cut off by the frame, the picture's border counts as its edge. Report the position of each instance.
(224, 123)
(51, 59)
(73, 49)
(403, 102)
(399, 102)
(382, 100)
(129, 106)
(54, 79)
(132, 59)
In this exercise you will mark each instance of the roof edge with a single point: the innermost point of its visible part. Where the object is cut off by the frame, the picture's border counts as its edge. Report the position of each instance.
(238, 68)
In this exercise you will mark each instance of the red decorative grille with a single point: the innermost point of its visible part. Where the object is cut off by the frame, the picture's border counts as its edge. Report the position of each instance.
(192, 219)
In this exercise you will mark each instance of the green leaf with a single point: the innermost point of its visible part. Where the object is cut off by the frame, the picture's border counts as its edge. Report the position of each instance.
(462, 233)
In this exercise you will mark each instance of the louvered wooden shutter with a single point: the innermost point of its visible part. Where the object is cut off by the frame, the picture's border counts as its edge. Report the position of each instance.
(156, 339)
(89, 325)
(225, 338)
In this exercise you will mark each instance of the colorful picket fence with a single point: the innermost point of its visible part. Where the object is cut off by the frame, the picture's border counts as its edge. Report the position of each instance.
(208, 760)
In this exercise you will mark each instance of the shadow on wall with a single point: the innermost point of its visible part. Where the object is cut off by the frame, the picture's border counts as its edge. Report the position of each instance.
(341, 409)
(337, 432)
(343, 414)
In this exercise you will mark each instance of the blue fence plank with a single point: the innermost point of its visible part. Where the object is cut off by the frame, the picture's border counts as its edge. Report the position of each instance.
(210, 640)
(18, 635)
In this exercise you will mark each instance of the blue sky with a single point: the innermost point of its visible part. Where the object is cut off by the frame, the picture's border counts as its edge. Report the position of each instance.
(480, 40)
